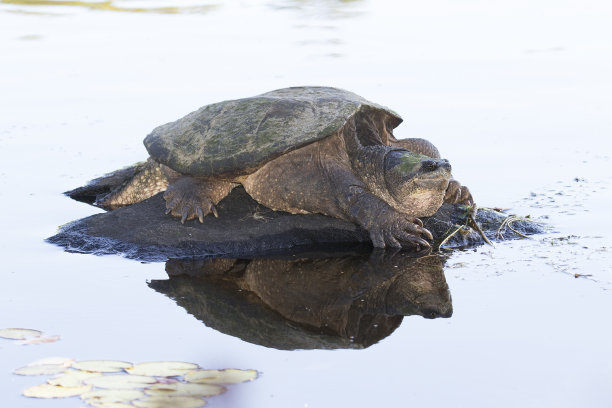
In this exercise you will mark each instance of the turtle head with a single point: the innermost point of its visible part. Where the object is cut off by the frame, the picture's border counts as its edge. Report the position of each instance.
(416, 182)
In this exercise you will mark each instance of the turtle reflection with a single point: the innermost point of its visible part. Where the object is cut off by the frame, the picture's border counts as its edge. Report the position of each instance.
(350, 301)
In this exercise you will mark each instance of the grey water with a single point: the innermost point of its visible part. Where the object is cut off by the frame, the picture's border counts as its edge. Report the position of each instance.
(516, 95)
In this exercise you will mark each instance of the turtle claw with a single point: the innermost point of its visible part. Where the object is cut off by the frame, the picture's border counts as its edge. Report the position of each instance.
(425, 231)
(184, 216)
(188, 198)
(458, 194)
(189, 208)
(397, 231)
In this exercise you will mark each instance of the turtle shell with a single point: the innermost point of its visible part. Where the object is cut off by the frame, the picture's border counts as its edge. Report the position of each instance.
(237, 137)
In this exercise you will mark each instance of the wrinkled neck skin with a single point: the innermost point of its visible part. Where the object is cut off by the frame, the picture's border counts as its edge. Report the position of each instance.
(367, 161)
(409, 182)
(369, 166)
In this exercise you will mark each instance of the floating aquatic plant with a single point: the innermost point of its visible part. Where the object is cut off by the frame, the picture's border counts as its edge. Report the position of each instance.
(120, 384)
(19, 334)
(27, 336)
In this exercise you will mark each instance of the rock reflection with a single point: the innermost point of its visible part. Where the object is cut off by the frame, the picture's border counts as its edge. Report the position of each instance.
(349, 301)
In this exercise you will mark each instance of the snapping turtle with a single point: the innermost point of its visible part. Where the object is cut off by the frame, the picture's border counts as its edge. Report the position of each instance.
(300, 150)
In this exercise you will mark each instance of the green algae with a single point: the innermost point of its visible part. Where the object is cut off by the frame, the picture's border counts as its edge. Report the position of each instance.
(409, 163)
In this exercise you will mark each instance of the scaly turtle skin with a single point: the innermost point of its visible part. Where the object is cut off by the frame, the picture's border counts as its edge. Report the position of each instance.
(300, 150)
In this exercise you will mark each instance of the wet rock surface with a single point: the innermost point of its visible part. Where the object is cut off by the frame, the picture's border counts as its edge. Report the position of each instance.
(245, 228)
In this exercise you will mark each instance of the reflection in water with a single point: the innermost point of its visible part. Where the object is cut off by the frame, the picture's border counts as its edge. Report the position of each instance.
(350, 301)
(330, 9)
(111, 5)
(321, 8)
(319, 24)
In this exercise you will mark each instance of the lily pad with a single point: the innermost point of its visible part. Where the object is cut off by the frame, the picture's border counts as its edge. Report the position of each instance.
(121, 381)
(63, 361)
(19, 334)
(227, 376)
(162, 368)
(168, 401)
(39, 340)
(54, 391)
(109, 404)
(101, 366)
(185, 389)
(102, 397)
(72, 378)
(44, 369)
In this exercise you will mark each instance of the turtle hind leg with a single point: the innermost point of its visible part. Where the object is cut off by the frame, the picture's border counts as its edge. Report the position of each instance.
(191, 197)
(146, 180)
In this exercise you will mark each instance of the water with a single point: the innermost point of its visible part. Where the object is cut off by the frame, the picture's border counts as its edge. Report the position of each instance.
(517, 96)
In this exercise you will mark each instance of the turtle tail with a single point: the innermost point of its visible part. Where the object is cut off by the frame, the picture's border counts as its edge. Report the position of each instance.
(123, 187)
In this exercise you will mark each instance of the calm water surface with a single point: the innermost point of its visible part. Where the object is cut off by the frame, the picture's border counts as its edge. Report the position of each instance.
(516, 95)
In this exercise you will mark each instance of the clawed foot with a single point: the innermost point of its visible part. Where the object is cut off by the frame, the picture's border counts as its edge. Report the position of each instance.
(185, 200)
(396, 230)
(458, 194)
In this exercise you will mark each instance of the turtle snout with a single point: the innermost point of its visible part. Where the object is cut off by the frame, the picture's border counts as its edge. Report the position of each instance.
(433, 165)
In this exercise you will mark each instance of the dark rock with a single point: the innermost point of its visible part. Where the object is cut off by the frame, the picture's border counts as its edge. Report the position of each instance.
(245, 228)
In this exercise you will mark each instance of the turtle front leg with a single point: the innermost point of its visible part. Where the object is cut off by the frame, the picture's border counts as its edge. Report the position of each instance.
(387, 226)
(458, 194)
(190, 197)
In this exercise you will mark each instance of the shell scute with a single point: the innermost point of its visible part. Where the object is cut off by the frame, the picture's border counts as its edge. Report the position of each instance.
(238, 136)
